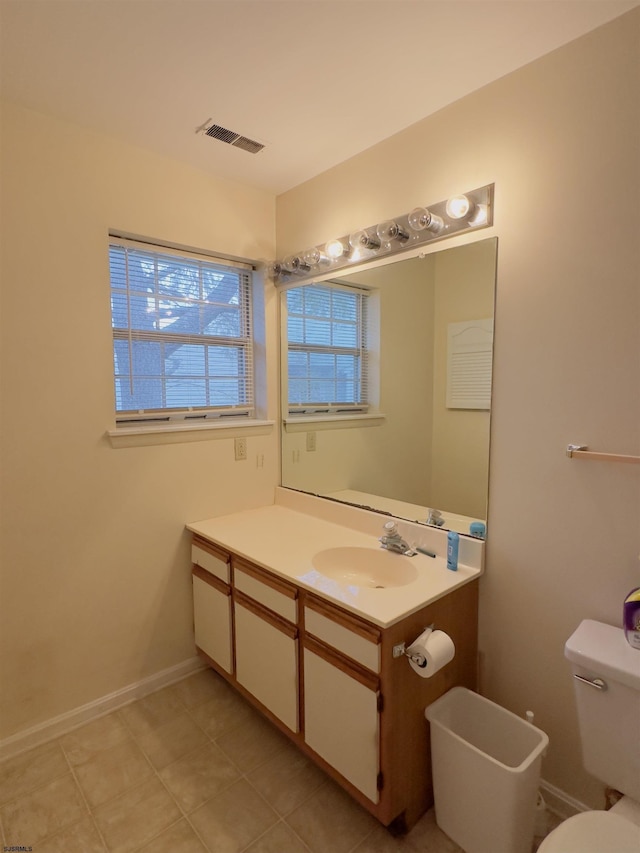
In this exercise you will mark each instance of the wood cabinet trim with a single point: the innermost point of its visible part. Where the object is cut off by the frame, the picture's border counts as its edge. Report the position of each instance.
(345, 620)
(265, 577)
(212, 580)
(268, 615)
(212, 549)
(342, 662)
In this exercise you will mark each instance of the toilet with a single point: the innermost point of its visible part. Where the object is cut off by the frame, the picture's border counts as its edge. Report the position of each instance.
(606, 678)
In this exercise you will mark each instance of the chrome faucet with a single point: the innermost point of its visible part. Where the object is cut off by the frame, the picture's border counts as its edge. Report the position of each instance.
(392, 541)
(435, 517)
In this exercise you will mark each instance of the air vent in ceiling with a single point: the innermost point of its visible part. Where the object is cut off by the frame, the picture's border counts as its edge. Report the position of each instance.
(215, 131)
(249, 145)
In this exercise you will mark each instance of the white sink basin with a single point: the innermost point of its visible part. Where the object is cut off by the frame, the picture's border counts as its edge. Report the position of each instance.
(367, 567)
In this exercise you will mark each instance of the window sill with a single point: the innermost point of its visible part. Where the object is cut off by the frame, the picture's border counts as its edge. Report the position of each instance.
(301, 423)
(140, 434)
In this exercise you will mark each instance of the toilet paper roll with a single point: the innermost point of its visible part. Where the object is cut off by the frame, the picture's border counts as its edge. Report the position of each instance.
(430, 652)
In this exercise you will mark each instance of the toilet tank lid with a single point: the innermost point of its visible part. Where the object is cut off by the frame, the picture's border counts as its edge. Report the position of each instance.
(605, 650)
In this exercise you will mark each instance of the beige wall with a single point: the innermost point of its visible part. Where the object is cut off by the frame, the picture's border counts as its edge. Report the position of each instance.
(95, 588)
(402, 446)
(560, 138)
(465, 286)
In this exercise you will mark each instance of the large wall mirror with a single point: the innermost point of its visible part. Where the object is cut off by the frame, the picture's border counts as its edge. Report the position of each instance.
(421, 452)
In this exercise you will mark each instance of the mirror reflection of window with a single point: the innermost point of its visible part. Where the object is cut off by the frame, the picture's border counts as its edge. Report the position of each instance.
(326, 348)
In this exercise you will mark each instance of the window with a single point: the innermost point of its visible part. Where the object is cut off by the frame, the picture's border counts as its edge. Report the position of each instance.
(327, 355)
(182, 337)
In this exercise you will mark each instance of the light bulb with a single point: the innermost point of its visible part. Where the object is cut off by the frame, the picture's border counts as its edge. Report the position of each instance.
(459, 207)
(274, 269)
(480, 215)
(422, 219)
(390, 230)
(362, 240)
(294, 263)
(312, 257)
(335, 249)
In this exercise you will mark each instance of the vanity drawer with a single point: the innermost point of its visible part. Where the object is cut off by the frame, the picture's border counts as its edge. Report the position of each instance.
(354, 638)
(266, 589)
(211, 559)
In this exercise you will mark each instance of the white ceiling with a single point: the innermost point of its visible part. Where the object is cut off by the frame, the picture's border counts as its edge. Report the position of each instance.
(316, 80)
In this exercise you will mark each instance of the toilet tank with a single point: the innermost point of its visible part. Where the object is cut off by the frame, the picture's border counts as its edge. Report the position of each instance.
(609, 717)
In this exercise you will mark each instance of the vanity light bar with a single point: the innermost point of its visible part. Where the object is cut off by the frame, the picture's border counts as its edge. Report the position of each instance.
(461, 213)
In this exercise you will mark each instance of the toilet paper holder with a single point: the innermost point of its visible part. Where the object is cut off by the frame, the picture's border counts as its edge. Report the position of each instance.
(400, 650)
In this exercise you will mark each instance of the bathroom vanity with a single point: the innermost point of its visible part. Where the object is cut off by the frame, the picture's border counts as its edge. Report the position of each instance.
(318, 649)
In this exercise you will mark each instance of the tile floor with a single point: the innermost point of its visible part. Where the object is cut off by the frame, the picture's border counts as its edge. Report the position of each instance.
(191, 768)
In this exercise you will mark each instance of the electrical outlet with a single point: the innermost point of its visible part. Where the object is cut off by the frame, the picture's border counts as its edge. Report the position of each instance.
(241, 448)
(311, 441)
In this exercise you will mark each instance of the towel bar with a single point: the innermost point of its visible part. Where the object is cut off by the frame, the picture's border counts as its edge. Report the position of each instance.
(575, 451)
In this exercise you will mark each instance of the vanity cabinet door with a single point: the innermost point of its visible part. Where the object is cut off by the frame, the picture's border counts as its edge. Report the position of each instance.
(341, 717)
(267, 659)
(212, 617)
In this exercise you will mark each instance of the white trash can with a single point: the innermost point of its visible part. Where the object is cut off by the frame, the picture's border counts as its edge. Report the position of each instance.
(486, 772)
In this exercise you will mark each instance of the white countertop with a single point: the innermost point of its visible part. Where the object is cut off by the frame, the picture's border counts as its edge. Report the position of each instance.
(285, 542)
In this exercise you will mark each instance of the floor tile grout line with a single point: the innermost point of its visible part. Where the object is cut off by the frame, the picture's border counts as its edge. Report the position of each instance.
(58, 830)
(40, 786)
(199, 836)
(134, 736)
(245, 775)
(120, 793)
(298, 805)
(284, 818)
(362, 841)
(184, 814)
(269, 829)
(82, 794)
(157, 835)
(35, 790)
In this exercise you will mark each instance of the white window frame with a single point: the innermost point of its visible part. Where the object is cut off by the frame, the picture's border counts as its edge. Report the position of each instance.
(194, 418)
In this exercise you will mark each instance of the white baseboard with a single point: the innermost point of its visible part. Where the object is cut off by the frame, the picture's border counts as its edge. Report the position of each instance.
(559, 802)
(99, 707)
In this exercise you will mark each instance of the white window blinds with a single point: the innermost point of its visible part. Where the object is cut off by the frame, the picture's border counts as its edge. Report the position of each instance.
(327, 353)
(182, 336)
(469, 361)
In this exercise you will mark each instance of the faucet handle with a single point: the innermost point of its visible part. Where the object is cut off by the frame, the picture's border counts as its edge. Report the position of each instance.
(390, 528)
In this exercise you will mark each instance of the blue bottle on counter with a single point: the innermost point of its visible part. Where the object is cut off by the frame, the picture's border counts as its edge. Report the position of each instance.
(453, 541)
